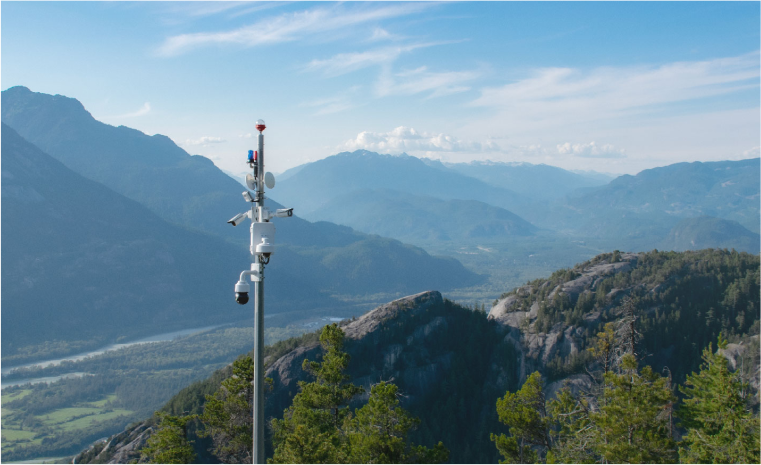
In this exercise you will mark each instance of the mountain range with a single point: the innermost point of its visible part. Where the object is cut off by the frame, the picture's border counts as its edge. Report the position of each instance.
(655, 200)
(534, 181)
(452, 363)
(379, 194)
(176, 194)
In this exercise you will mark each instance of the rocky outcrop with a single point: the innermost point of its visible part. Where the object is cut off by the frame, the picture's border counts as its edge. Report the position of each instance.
(120, 448)
(519, 311)
(406, 362)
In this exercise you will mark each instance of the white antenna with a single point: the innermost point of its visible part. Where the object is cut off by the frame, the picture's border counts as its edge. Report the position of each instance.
(261, 248)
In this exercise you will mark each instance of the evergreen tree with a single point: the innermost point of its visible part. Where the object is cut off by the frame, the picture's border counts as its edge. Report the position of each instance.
(604, 347)
(524, 414)
(721, 428)
(228, 415)
(633, 420)
(310, 429)
(574, 433)
(169, 443)
(378, 432)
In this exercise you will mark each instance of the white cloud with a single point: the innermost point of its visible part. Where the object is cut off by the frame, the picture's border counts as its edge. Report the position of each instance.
(591, 150)
(289, 27)
(205, 141)
(335, 104)
(344, 63)
(422, 80)
(380, 34)
(404, 139)
(752, 153)
(144, 110)
(248, 135)
(559, 96)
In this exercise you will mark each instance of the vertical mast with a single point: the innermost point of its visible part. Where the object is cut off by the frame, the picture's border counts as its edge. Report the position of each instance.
(258, 413)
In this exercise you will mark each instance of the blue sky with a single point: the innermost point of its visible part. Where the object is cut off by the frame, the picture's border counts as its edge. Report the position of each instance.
(613, 87)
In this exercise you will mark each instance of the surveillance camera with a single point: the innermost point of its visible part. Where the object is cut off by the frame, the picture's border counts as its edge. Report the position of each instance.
(284, 212)
(248, 197)
(238, 219)
(241, 292)
(241, 297)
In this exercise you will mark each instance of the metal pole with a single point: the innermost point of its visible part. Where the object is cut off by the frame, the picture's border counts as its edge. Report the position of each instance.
(259, 322)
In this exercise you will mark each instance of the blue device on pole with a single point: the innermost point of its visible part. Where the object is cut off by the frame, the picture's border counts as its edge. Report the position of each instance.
(251, 156)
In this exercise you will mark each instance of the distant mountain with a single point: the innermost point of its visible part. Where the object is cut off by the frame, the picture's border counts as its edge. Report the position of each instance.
(81, 261)
(655, 200)
(704, 231)
(533, 181)
(421, 219)
(192, 191)
(313, 186)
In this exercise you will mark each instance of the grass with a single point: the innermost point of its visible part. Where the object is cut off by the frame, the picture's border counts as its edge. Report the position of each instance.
(79, 417)
(84, 422)
(14, 435)
(103, 402)
(15, 396)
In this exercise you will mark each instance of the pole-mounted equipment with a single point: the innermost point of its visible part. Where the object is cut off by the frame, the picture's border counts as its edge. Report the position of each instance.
(261, 248)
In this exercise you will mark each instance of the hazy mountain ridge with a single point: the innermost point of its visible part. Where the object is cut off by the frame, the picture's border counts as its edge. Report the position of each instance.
(80, 260)
(420, 218)
(661, 197)
(452, 363)
(534, 181)
(698, 233)
(313, 260)
(316, 184)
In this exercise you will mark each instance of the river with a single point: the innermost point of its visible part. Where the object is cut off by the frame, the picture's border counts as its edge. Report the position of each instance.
(47, 363)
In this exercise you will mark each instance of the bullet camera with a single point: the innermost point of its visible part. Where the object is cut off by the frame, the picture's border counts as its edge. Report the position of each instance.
(241, 292)
(284, 212)
(248, 197)
(238, 219)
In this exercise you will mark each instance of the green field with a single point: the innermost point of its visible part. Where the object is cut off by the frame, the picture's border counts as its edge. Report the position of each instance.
(123, 386)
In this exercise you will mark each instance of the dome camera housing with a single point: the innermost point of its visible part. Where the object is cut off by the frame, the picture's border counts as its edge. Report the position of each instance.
(241, 297)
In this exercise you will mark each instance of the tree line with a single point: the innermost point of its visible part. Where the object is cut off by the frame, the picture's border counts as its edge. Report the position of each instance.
(631, 414)
(318, 427)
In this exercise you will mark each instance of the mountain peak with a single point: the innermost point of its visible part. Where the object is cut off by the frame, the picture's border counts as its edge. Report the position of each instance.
(371, 320)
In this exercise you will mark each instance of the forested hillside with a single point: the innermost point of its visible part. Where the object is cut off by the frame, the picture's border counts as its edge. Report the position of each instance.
(451, 363)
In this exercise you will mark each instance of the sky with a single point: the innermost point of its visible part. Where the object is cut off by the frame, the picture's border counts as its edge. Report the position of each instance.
(612, 87)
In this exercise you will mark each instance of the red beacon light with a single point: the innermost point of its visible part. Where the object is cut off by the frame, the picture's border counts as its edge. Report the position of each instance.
(260, 126)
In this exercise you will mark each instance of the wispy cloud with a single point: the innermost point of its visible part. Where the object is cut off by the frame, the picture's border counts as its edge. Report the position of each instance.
(555, 96)
(752, 153)
(204, 141)
(423, 80)
(404, 139)
(344, 63)
(334, 104)
(144, 110)
(289, 27)
(591, 150)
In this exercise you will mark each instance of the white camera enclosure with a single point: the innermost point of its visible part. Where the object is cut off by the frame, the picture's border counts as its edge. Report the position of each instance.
(260, 231)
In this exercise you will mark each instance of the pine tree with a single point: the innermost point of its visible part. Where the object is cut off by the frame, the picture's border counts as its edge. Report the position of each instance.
(524, 414)
(633, 420)
(604, 347)
(169, 443)
(721, 428)
(227, 415)
(377, 433)
(310, 429)
(574, 433)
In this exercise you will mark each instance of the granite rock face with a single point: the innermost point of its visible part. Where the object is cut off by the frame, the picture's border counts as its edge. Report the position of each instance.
(519, 311)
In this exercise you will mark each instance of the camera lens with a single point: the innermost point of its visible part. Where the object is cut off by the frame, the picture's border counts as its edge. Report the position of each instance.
(241, 297)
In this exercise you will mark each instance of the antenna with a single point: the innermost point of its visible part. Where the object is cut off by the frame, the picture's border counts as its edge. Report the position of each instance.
(261, 249)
